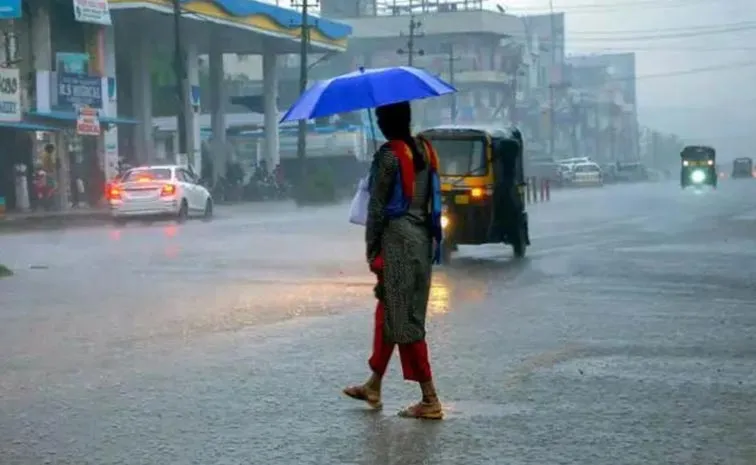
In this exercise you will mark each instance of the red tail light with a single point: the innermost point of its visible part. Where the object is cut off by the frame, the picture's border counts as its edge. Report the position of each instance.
(114, 193)
(168, 190)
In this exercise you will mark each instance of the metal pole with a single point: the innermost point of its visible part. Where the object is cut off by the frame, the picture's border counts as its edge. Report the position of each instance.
(411, 41)
(302, 126)
(452, 59)
(552, 96)
(181, 77)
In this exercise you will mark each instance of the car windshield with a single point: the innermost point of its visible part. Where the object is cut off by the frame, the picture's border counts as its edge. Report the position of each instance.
(698, 154)
(586, 169)
(461, 157)
(147, 174)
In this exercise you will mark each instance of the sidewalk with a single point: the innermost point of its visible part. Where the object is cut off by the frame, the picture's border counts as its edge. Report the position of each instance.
(53, 219)
(82, 217)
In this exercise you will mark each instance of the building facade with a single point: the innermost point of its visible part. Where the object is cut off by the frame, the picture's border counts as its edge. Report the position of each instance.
(483, 53)
(604, 106)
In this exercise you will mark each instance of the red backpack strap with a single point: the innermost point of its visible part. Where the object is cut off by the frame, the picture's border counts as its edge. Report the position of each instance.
(406, 166)
(431, 152)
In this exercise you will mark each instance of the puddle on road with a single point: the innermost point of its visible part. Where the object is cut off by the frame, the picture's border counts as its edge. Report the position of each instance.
(464, 409)
(467, 409)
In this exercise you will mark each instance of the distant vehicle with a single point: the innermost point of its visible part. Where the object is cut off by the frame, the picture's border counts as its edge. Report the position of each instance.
(609, 172)
(698, 166)
(574, 160)
(631, 172)
(742, 168)
(587, 174)
(159, 191)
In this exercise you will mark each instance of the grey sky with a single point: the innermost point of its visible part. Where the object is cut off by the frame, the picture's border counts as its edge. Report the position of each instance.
(717, 106)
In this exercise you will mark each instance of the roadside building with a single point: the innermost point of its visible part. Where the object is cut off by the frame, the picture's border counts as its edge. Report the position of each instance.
(605, 101)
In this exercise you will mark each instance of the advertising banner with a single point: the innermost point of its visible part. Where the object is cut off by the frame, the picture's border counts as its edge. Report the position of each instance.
(79, 90)
(88, 122)
(10, 95)
(92, 11)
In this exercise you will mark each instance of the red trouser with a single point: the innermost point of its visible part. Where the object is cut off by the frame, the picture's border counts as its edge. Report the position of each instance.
(414, 356)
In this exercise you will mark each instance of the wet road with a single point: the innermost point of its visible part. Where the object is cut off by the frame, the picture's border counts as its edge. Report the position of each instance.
(627, 337)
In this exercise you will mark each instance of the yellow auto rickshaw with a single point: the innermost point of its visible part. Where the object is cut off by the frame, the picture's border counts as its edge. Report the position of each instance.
(482, 187)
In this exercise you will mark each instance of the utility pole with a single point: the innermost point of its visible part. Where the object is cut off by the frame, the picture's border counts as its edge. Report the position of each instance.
(552, 90)
(414, 33)
(452, 59)
(304, 33)
(181, 83)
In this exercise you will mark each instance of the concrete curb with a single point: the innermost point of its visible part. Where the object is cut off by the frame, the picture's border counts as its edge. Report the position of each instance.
(10, 223)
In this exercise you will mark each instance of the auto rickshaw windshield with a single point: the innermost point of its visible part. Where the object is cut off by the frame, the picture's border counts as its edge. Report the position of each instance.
(461, 156)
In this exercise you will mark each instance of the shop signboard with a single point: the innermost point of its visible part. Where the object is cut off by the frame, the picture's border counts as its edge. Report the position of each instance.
(88, 122)
(92, 11)
(10, 9)
(79, 90)
(10, 95)
(72, 63)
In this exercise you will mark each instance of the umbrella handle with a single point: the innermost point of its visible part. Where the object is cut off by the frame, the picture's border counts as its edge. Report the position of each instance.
(372, 129)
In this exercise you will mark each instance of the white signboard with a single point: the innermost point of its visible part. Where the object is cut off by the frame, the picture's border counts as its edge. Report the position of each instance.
(92, 11)
(111, 152)
(88, 122)
(10, 95)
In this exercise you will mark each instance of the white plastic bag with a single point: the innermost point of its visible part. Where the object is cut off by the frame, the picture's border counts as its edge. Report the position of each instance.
(358, 210)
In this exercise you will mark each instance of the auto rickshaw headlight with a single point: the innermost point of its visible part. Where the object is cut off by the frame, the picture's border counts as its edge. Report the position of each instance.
(711, 162)
(698, 176)
(685, 163)
(444, 221)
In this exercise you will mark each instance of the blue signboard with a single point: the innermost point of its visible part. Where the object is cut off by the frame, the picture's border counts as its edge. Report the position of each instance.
(10, 9)
(79, 90)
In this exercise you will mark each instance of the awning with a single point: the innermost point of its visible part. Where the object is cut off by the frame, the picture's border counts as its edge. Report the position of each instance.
(72, 116)
(24, 126)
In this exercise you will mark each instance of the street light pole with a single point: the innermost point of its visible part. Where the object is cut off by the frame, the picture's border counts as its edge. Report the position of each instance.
(552, 90)
(181, 87)
(304, 33)
(414, 27)
(452, 60)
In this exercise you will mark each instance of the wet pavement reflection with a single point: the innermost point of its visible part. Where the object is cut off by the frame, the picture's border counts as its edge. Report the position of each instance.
(628, 336)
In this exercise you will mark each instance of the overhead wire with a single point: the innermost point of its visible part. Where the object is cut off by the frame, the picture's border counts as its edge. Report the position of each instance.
(645, 5)
(689, 71)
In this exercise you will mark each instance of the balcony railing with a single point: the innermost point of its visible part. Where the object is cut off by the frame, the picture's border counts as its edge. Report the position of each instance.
(411, 7)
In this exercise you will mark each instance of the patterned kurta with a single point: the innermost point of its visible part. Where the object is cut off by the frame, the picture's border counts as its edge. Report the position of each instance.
(406, 246)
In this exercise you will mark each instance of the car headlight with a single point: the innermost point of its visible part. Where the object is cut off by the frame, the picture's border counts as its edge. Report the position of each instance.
(698, 176)
(444, 221)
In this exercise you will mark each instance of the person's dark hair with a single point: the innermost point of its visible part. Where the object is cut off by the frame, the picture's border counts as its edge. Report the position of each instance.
(395, 122)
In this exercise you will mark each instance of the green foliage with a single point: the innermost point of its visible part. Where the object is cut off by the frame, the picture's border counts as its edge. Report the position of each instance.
(5, 271)
(319, 187)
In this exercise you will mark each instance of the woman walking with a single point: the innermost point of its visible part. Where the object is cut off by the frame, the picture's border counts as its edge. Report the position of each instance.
(404, 221)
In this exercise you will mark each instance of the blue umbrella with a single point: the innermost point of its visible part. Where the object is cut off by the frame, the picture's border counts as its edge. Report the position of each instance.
(366, 88)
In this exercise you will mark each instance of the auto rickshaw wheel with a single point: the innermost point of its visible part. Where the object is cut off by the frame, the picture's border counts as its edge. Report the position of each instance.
(446, 251)
(519, 244)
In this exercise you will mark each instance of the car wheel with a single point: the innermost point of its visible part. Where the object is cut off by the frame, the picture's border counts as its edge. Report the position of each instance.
(208, 214)
(183, 213)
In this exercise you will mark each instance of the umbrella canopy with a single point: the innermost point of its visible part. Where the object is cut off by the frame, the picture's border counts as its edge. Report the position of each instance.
(366, 88)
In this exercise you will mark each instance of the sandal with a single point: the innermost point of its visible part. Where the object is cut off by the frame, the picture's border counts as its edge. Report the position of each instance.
(423, 411)
(372, 398)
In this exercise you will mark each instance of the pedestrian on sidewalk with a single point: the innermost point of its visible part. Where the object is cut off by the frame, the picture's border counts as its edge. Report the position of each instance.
(404, 221)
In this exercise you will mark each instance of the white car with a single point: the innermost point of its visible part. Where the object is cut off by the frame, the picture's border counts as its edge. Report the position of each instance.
(587, 174)
(159, 191)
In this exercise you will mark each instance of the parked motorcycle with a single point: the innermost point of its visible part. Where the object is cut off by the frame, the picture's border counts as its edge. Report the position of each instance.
(44, 190)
